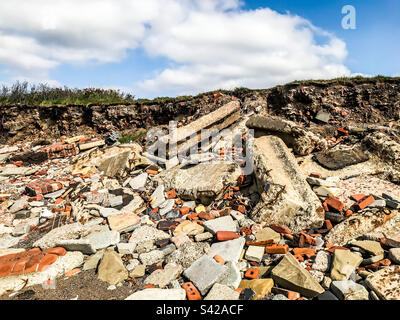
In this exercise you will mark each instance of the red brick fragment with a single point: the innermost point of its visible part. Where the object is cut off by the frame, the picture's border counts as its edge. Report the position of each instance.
(334, 203)
(308, 252)
(252, 273)
(358, 197)
(363, 203)
(277, 249)
(226, 235)
(191, 291)
(47, 260)
(58, 251)
(280, 229)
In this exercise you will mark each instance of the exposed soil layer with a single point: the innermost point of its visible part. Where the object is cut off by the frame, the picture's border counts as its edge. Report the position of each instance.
(362, 101)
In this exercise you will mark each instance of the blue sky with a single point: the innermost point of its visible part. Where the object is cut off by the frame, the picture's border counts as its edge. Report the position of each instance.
(171, 47)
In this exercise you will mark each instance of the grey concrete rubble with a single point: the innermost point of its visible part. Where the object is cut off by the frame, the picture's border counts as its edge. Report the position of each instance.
(307, 208)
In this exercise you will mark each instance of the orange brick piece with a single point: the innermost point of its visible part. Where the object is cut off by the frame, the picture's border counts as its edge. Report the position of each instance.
(252, 273)
(171, 194)
(226, 235)
(280, 229)
(29, 261)
(308, 252)
(334, 203)
(365, 202)
(219, 259)
(191, 291)
(277, 249)
(358, 197)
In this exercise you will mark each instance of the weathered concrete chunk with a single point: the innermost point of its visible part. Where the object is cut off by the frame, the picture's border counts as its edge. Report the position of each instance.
(356, 226)
(302, 141)
(222, 292)
(386, 283)
(322, 261)
(111, 268)
(339, 159)
(220, 224)
(158, 196)
(229, 250)
(394, 255)
(66, 232)
(372, 247)
(149, 258)
(115, 165)
(139, 181)
(145, 233)
(287, 199)
(188, 253)
(204, 272)
(344, 264)
(162, 278)
(158, 294)
(188, 227)
(202, 182)
(349, 290)
(81, 245)
(292, 276)
(232, 276)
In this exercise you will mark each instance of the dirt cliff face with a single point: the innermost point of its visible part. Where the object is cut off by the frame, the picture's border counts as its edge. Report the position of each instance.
(359, 102)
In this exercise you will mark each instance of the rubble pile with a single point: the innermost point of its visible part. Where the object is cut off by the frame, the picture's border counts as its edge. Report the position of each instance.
(316, 218)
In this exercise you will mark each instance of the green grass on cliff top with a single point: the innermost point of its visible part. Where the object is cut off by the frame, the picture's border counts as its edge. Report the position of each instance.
(22, 93)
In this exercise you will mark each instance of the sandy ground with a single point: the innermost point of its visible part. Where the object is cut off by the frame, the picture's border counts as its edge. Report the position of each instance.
(82, 286)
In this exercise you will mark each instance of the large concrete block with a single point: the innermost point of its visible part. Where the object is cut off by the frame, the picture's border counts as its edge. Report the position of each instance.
(202, 182)
(204, 272)
(286, 197)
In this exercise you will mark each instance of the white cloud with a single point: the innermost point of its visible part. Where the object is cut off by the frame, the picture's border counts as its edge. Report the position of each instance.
(211, 44)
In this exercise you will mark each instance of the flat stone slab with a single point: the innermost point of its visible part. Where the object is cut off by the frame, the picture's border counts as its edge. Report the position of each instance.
(123, 222)
(286, 197)
(115, 164)
(112, 269)
(254, 253)
(344, 264)
(220, 224)
(158, 294)
(349, 290)
(372, 247)
(339, 159)
(292, 276)
(222, 292)
(104, 239)
(386, 283)
(204, 272)
(229, 250)
(260, 286)
(268, 234)
(202, 182)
